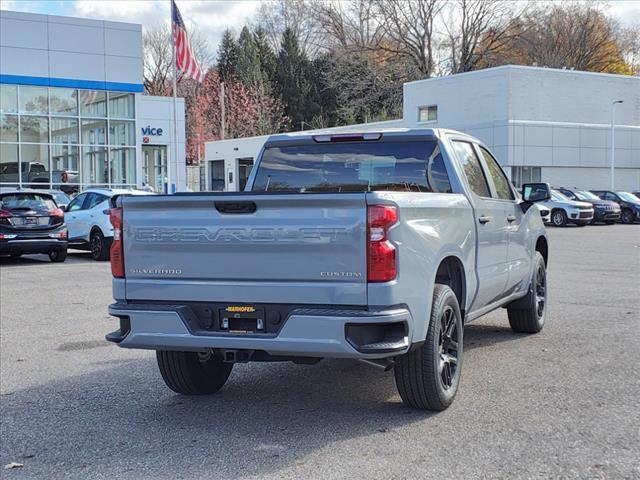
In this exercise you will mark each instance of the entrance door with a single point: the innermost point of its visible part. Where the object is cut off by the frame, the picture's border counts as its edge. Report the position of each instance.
(154, 167)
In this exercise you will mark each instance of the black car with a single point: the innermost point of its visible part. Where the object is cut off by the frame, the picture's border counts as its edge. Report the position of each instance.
(629, 204)
(603, 210)
(32, 222)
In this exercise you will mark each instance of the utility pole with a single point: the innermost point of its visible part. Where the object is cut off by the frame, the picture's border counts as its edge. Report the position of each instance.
(613, 142)
(223, 112)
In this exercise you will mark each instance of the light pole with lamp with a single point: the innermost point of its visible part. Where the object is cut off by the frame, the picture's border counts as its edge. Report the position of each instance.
(613, 142)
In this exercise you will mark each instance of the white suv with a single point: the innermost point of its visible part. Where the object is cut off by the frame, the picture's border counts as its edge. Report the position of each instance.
(88, 224)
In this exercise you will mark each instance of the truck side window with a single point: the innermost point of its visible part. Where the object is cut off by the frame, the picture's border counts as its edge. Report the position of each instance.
(472, 169)
(499, 178)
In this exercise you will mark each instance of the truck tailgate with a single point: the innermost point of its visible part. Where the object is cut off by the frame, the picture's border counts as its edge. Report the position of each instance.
(263, 248)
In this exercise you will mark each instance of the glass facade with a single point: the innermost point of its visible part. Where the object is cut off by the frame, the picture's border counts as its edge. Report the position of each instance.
(66, 138)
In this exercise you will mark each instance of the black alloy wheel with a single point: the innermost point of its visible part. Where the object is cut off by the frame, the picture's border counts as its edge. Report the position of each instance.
(448, 348)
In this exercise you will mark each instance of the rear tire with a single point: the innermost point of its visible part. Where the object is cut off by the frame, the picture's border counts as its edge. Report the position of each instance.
(428, 377)
(58, 256)
(192, 373)
(527, 315)
(99, 247)
(559, 218)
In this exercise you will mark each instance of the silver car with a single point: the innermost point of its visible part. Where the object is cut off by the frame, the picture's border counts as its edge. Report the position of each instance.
(565, 211)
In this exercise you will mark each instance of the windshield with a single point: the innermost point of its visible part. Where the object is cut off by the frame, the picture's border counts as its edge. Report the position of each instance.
(556, 195)
(26, 201)
(629, 197)
(582, 195)
(61, 198)
(353, 167)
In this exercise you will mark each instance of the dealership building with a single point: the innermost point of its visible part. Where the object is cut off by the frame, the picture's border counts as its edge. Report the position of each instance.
(72, 112)
(542, 124)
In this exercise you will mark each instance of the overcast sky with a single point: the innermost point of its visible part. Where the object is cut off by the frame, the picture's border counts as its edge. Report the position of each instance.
(210, 16)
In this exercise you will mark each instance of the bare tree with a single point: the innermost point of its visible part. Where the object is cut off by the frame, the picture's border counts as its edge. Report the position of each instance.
(349, 25)
(158, 71)
(475, 29)
(408, 27)
(276, 16)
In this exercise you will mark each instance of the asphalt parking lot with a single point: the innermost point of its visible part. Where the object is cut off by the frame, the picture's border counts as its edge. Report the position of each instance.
(561, 404)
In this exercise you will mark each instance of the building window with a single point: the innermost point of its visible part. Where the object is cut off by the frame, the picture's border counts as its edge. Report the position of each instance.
(428, 113)
(34, 99)
(66, 138)
(8, 128)
(121, 105)
(8, 98)
(34, 129)
(522, 175)
(93, 103)
(94, 132)
(64, 130)
(63, 101)
(122, 132)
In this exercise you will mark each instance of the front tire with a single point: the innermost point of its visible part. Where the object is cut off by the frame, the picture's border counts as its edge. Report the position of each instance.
(559, 218)
(99, 247)
(527, 315)
(627, 216)
(58, 256)
(192, 373)
(427, 378)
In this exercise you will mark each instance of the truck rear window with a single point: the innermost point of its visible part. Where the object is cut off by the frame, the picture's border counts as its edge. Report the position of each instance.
(353, 167)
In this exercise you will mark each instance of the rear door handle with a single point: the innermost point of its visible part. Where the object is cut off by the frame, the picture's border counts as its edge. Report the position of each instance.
(484, 219)
(511, 218)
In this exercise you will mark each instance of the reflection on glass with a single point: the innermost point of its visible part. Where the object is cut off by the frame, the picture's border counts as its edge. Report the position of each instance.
(121, 132)
(34, 129)
(8, 163)
(64, 130)
(123, 166)
(94, 132)
(34, 163)
(93, 103)
(8, 128)
(121, 105)
(64, 101)
(94, 165)
(8, 98)
(34, 99)
(64, 161)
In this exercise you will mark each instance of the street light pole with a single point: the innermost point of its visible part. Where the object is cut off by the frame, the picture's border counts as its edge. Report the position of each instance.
(613, 142)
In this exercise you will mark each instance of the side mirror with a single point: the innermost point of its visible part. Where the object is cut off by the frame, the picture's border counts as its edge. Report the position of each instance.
(536, 192)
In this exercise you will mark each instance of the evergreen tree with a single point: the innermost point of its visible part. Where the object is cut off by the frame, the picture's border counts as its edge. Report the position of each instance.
(292, 84)
(266, 55)
(249, 69)
(227, 56)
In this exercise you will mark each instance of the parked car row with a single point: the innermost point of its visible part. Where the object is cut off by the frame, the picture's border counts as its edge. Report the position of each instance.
(583, 207)
(48, 221)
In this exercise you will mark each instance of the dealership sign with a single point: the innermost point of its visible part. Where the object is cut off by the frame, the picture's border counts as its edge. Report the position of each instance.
(150, 131)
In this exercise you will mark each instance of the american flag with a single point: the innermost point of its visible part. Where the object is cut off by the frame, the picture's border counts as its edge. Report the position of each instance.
(185, 59)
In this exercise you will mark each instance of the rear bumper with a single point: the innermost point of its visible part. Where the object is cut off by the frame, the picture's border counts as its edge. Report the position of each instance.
(306, 333)
(31, 246)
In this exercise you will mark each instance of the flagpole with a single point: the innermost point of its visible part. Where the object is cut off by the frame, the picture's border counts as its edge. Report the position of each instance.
(175, 109)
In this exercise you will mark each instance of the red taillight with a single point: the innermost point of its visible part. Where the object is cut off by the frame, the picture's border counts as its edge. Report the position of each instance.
(5, 214)
(117, 252)
(381, 261)
(57, 213)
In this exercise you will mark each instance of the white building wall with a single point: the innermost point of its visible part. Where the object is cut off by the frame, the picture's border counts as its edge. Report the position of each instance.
(65, 48)
(157, 113)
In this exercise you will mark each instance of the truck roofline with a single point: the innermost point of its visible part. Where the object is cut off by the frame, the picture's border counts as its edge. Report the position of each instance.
(306, 136)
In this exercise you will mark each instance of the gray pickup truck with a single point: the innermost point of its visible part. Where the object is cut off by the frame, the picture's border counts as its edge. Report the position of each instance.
(369, 246)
